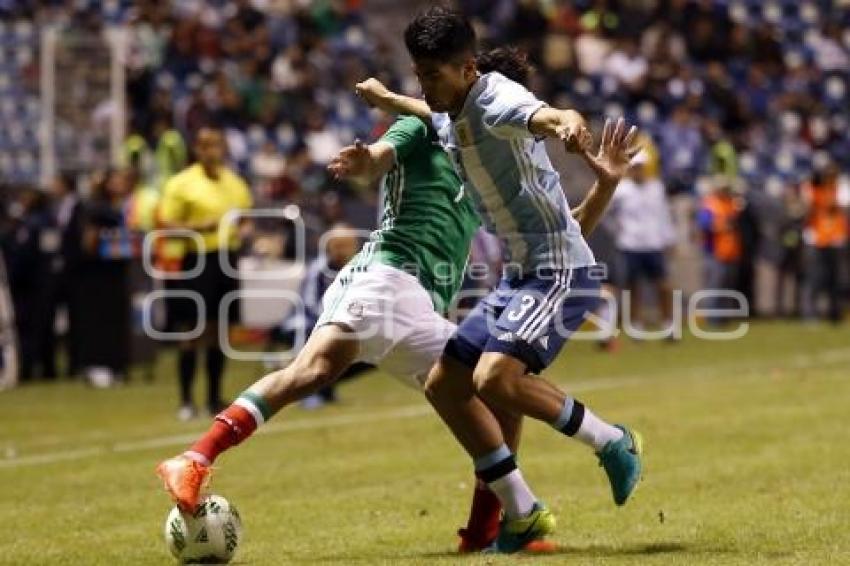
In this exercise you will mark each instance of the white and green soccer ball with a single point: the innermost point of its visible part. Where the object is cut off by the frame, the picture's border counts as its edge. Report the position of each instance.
(210, 535)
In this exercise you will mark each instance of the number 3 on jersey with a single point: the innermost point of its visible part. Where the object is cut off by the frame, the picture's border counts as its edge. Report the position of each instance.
(525, 305)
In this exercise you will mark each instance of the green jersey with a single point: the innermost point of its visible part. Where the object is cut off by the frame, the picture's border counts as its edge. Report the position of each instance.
(427, 222)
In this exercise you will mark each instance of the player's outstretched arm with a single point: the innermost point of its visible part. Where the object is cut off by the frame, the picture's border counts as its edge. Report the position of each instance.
(361, 163)
(610, 164)
(377, 95)
(567, 125)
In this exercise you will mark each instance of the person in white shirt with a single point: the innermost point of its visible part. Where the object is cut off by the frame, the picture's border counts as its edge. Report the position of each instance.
(627, 66)
(644, 233)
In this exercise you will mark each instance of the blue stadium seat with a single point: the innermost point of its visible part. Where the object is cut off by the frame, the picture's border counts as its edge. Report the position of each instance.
(774, 186)
(23, 56)
(771, 12)
(32, 108)
(647, 114)
(835, 92)
(748, 163)
(739, 12)
(286, 137)
(256, 137)
(24, 31)
(27, 163)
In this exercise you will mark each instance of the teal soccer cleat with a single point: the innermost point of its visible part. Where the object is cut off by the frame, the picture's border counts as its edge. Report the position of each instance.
(621, 460)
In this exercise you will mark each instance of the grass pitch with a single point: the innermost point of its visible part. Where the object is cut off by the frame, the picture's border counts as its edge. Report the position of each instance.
(746, 462)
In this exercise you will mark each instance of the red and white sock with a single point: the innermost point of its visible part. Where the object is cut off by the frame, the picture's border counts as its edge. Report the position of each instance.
(233, 425)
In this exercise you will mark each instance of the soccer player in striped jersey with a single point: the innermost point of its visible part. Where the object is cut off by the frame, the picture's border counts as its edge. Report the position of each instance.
(493, 129)
(383, 307)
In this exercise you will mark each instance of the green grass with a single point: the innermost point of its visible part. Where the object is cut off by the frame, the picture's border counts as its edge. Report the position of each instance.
(747, 462)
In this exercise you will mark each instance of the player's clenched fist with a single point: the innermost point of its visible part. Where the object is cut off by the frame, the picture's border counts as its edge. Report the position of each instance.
(574, 132)
(373, 92)
(352, 161)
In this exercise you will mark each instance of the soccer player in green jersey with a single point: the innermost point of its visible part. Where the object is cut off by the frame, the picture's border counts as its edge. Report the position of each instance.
(384, 305)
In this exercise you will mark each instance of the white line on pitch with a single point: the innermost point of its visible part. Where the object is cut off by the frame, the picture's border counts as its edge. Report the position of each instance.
(702, 372)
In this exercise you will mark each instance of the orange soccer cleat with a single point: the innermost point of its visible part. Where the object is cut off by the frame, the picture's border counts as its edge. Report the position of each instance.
(184, 479)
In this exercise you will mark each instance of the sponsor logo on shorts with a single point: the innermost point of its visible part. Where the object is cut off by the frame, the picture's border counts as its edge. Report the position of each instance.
(356, 308)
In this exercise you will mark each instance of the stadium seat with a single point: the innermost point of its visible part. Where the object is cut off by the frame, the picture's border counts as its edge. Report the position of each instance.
(613, 109)
(772, 12)
(748, 162)
(809, 13)
(774, 186)
(256, 137)
(739, 13)
(24, 31)
(835, 92)
(286, 136)
(27, 163)
(647, 114)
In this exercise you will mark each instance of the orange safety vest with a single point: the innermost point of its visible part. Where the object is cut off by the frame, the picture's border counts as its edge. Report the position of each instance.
(724, 233)
(826, 225)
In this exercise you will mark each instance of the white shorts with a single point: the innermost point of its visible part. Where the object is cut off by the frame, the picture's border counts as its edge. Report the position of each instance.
(393, 318)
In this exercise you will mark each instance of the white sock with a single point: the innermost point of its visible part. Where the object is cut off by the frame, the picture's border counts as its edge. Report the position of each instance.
(514, 494)
(579, 422)
(595, 432)
(198, 457)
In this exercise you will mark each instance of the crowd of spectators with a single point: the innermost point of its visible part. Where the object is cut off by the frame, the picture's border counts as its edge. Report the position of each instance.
(744, 99)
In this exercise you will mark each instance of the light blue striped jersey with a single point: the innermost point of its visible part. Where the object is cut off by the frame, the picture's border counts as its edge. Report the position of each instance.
(512, 183)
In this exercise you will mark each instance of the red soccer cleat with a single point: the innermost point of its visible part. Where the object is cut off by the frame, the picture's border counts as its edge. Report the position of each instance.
(483, 525)
(183, 478)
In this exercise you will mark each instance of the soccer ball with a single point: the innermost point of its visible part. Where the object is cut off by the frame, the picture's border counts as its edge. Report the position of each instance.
(210, 535)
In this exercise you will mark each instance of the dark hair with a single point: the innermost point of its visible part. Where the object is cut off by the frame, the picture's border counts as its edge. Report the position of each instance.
(68, 178)
(509, 61)
(100, 184)
(210, 126)
(439, 34)
(37, 199)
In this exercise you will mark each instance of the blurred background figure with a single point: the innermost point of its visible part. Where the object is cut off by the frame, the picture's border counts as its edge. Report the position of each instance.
(198, 199)
(603, 242)
(170, 152)
(718, 219)
(825, 236)
(341, 245)
(645, 235)
(32, 251)
(102, 290)
(68, 217)
(790, 267)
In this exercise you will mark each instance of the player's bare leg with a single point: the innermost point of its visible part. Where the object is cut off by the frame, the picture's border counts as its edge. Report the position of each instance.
(482, 526)
(452, 393)
(501, 380)
(464, 419)
(329, 351)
